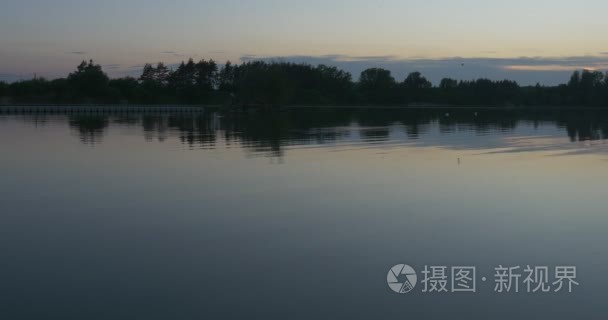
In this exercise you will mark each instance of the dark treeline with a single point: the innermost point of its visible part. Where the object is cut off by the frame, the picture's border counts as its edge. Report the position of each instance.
(279, 83)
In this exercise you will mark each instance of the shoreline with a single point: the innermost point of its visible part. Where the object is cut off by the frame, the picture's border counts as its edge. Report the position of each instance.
(196, 108)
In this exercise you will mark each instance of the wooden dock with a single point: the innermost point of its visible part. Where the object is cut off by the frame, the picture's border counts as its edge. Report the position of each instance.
(100, 109)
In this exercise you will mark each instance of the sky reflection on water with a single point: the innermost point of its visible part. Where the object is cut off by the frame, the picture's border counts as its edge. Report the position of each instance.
(296, 215)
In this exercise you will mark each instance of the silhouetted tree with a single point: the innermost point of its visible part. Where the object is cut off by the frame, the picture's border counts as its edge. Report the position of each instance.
(226, 77)
(335, 86)
(377, 85)
(416, 81)
(184, 75)
(415, 87)
(3, 87)
(89, 81)
(125, 90)
(263, 84)
(158, 75)
(575, 79)
(206, 74)
(447, 83)
(586, 87)
(193, 82)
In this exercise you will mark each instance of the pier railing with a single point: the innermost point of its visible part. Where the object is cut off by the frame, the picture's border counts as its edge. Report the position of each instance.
(93, 109)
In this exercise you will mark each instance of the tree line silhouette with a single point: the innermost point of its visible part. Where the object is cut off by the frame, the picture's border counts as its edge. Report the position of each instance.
(272, 84)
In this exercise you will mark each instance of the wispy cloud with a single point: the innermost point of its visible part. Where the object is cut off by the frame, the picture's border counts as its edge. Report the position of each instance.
(174, 54)
(80, 53)
(247, 57)
(557, 63)
(556, 67)
(346, 58)
(111, 66)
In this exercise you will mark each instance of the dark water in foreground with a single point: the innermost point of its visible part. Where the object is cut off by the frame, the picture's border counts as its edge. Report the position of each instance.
(298, 215)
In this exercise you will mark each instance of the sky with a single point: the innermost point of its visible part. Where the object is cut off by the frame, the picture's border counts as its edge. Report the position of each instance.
(529, 41)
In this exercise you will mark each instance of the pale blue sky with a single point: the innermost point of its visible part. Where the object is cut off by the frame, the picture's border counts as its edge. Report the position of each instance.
(50, 37)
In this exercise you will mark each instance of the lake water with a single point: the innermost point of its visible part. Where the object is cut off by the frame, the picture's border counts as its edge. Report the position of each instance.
(298, 215)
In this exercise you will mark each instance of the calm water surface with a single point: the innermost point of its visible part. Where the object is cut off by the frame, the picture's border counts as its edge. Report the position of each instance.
(297, 215)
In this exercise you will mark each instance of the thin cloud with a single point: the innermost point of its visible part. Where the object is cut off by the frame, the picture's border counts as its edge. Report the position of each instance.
(556, 67)
(366, 58)
(111, 66)
(80, 53)
(248, 57)
(173, 53)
